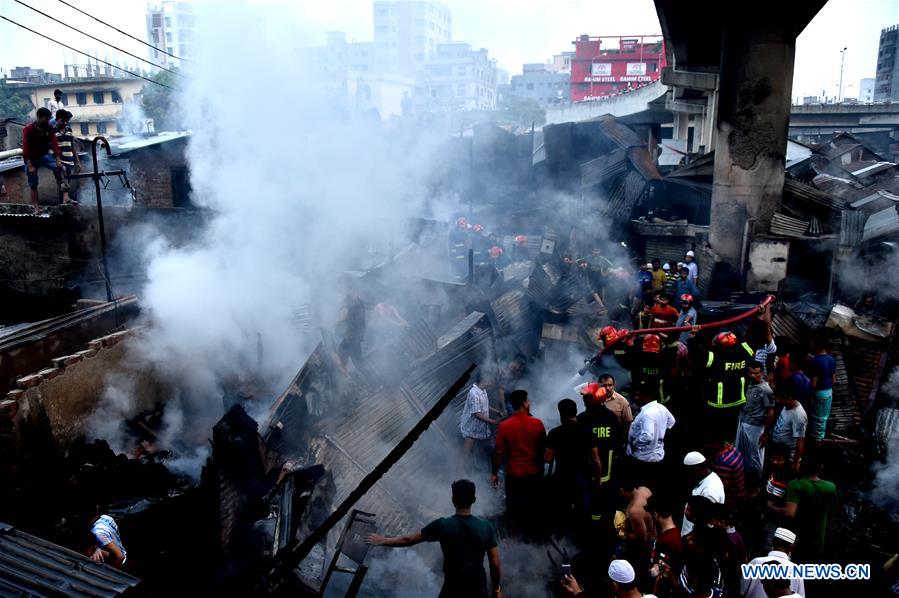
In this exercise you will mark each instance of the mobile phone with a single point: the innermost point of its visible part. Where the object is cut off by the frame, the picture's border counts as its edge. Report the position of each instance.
(566, 570)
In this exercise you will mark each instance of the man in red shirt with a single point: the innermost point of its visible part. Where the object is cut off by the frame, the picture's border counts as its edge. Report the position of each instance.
(38, 138)
(520, 441)
(663, 315)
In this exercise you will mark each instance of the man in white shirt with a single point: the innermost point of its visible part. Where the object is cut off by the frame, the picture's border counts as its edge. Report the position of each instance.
(646, 438)
(708, 484)
(692, 266)
(476, 424)
(56, 103)
(783, 546)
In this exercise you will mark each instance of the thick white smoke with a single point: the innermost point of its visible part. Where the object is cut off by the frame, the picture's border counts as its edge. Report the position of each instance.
(886, 474)
(300, 189)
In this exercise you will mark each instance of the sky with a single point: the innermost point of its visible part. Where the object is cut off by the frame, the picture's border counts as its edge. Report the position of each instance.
(514, 32)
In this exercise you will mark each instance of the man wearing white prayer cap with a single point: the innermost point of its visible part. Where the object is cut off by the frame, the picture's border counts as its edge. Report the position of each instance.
(782, 547)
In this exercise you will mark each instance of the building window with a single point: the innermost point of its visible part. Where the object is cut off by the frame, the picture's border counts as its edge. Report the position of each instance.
(81, 99)
(168, 22)
(98, 97)
(168, 37)
(116, 98)
(170, 50)
(101, 128)
(157, 20)
(85, 129)
(530, 86)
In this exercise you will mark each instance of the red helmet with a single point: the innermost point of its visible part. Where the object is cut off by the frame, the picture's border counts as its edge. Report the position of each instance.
(521, 240)
(652, 343)
(686, 298)
(594, 394)
(477, 228)
(496, 252)
(726, 339)
(462, 222)
(607, 334)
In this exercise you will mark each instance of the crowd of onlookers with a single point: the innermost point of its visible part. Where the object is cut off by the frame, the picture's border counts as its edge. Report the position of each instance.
(709, 458)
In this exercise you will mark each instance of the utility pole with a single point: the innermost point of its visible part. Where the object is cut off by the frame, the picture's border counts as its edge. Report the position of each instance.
(842, 62)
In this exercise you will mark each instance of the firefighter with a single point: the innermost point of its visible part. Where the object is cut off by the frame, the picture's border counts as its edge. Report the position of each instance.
(520, 249)
(495, 255)
(652, 367)
(601, 426)
(479, 245)
(459, 243)
(615, 346)
(726, 368)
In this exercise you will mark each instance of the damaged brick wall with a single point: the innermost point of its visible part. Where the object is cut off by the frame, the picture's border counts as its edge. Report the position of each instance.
(151, 172)
(70, 388)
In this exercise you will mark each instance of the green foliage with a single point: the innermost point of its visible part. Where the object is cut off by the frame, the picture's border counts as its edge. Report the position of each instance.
(13, 106)
(523, 111)
(159, 102)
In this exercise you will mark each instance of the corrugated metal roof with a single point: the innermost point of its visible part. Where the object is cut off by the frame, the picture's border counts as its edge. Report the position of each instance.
(801, 192)
(123, 149)
(884, 222)
(7, 165)
(30, 566)
(786, 226)
(603, 168)
(852, 227)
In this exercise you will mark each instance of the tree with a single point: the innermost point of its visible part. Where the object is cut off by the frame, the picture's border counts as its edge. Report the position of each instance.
(523, 111)
(159, 102)
(13, 106)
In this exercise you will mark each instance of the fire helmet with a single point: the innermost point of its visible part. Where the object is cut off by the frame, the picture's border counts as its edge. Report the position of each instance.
(496, 252)
(686, 298)
(726, 339)
(607, 334)
(521, 240)
(652, 343)
(477, 228)
(462, 222)
(594, 394)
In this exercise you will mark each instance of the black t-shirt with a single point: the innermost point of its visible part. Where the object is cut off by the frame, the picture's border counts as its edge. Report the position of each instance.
(601, 426)
(464, 540)
(571, 444)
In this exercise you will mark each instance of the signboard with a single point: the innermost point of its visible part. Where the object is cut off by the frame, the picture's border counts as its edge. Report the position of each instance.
(601, 69)
(636, 68)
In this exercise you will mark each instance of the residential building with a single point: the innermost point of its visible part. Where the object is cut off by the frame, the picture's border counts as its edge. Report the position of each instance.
(539, 83)
(170, 27)
(97, 104)
(604, 66)
(26, 74)
(407, 34)
(866, 90)
(456, 78)
(886, 84)
(351, 77)
(561, 63)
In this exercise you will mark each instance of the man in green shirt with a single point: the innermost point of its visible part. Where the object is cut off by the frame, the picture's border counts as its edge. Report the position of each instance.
(464, 540)
(809, 501)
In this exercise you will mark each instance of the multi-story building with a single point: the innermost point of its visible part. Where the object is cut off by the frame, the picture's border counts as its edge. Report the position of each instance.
(886, 84)
(539, 83)
(351, 77)
(866, 90)
(26, 74)
(97, 104)
(561, 63)
(170, 27)
(407, 33)
(456, 78)
(604, 66)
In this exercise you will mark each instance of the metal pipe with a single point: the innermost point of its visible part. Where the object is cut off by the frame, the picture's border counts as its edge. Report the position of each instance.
(10, 153)
(96, 177)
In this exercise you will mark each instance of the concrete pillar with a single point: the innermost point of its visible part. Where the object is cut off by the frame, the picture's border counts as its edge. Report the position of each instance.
(753, 114)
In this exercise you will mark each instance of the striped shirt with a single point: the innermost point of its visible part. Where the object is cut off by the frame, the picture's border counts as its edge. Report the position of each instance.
(729, 467)
(106, 532)
(66, 142)
(469, 425)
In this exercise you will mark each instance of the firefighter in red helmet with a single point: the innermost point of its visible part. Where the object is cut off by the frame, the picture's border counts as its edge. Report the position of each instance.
(725, 365)
(652, 367)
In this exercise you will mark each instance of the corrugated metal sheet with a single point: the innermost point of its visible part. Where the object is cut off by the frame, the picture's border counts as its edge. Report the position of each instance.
(852, 227)
(786, 226)
(667, 249)
(30, 566)
(882, 223)
(845, 410)
(799, 192)
(603, 168)
(624, 197)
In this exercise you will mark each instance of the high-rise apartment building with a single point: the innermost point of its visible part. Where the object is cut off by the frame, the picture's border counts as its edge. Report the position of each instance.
(170, 27)
(407, 33)
(886, 84)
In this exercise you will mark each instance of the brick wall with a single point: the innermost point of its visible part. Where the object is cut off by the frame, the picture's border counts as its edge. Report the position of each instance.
(69, 388)
(150, 172)
(14, 187)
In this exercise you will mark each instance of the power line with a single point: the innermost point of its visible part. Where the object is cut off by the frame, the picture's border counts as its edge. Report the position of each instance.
(86, 54)
(97, 39)
(137, 39)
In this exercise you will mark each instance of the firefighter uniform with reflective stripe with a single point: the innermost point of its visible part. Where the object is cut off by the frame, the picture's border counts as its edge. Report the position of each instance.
(602, 426)
(653, 369)
(725, 369)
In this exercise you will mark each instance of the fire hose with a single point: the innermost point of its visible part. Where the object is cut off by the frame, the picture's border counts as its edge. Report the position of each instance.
(670, 329)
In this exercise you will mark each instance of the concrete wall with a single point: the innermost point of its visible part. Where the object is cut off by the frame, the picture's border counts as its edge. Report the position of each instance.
(14, 187)
(620, 105)
(768, 265)
(69, 389)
